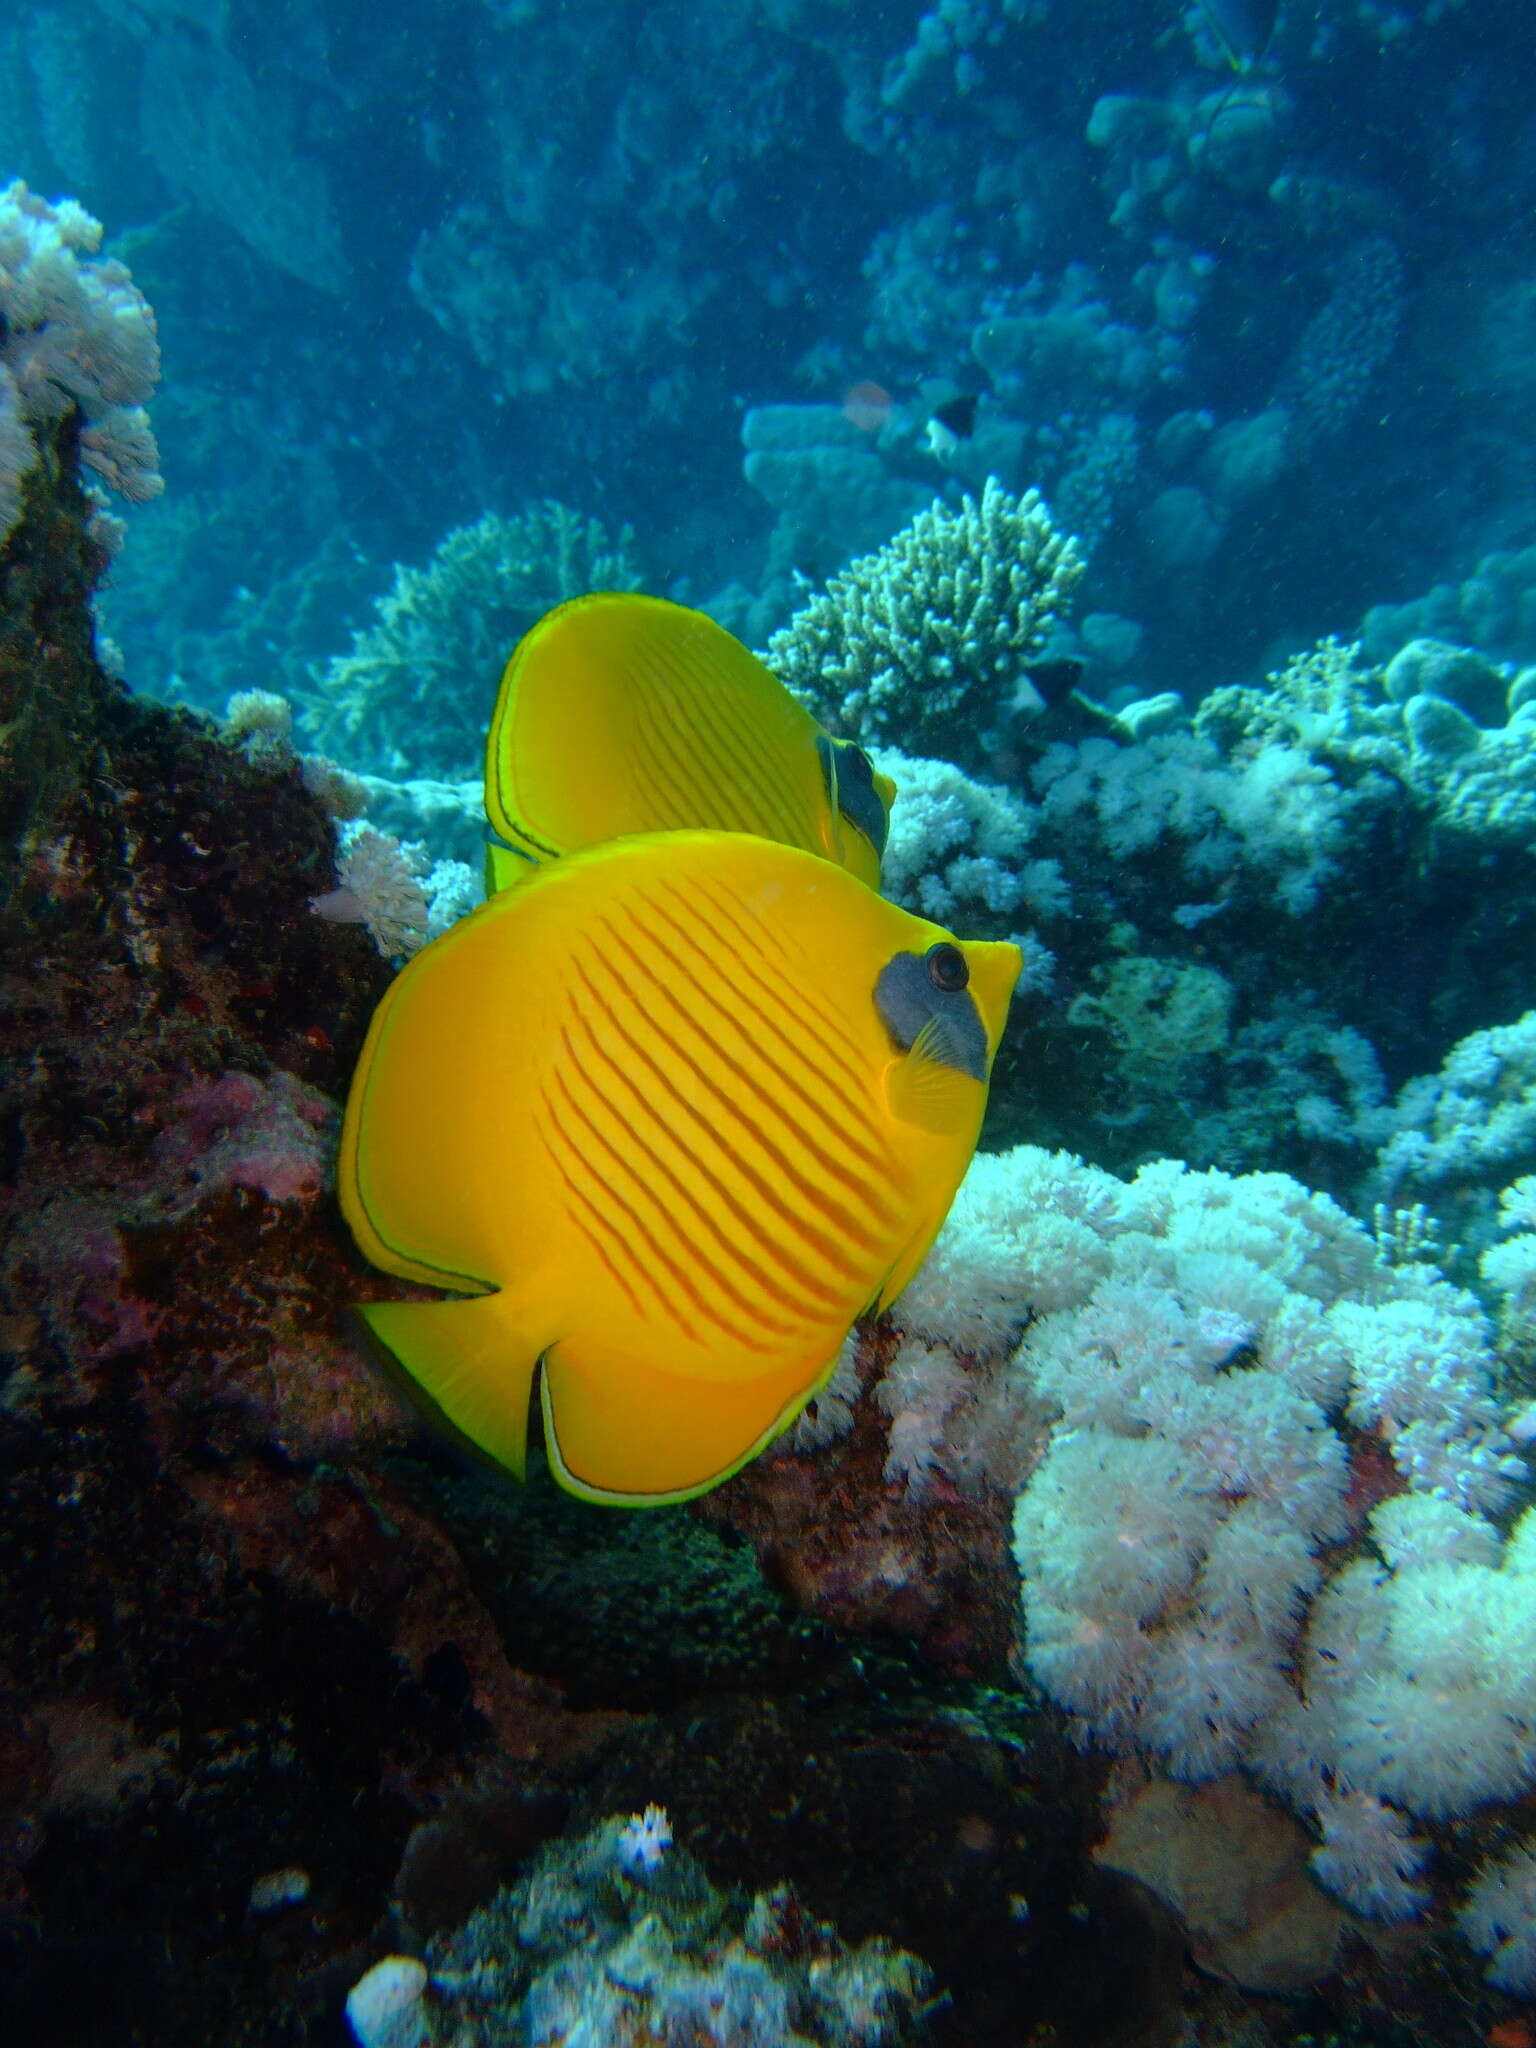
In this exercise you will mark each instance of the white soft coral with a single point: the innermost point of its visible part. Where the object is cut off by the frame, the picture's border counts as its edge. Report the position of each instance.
(1499, 1918)
(74, 331)
(1025, 1235)
(1368, 1858)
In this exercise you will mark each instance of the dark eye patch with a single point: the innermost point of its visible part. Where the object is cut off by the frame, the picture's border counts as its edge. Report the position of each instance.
(911, 1004)
(850, 779)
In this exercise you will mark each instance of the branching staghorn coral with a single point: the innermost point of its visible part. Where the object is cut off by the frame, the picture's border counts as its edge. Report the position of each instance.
(416, 691)
(924, 642)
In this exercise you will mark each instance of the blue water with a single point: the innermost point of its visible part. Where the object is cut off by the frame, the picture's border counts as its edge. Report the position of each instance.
(414, 264)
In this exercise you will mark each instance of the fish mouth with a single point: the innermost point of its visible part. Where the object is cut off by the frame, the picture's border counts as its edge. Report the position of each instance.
(995, 965)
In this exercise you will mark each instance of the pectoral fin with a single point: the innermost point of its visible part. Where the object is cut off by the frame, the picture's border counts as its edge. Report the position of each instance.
(924, 1087)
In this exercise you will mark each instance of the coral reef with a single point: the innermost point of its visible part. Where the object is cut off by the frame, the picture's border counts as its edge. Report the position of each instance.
(867, 1554)
(621, 1607)
(958, 845)
(1160, 875)
(1155, 1470)
(815, 467)
(1499, 1918)
(1494, 608)
(263, 1663)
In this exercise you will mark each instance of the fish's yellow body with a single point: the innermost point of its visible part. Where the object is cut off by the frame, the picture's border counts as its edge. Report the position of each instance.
(677, 1110)
(620, 713)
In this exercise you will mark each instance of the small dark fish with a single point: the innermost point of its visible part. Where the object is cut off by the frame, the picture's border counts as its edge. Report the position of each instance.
(1054, 681)
(1244, 28)
(958, 414)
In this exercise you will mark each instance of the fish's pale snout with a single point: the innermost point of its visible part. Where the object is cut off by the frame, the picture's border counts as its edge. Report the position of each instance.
(995, 965)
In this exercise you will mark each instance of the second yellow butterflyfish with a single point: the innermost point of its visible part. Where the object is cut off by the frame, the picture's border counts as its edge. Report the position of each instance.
(621, 713)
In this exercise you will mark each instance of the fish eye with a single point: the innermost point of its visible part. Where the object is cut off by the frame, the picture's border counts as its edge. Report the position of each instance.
(946, 967)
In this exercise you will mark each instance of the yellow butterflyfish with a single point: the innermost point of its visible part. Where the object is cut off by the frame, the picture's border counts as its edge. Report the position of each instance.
(619, 713)
(676, 1111)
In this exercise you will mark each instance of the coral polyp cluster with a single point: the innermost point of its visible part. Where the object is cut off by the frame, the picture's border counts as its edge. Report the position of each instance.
(77, 337)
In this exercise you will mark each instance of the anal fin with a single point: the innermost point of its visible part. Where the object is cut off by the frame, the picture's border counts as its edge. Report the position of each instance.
(468, 1364)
